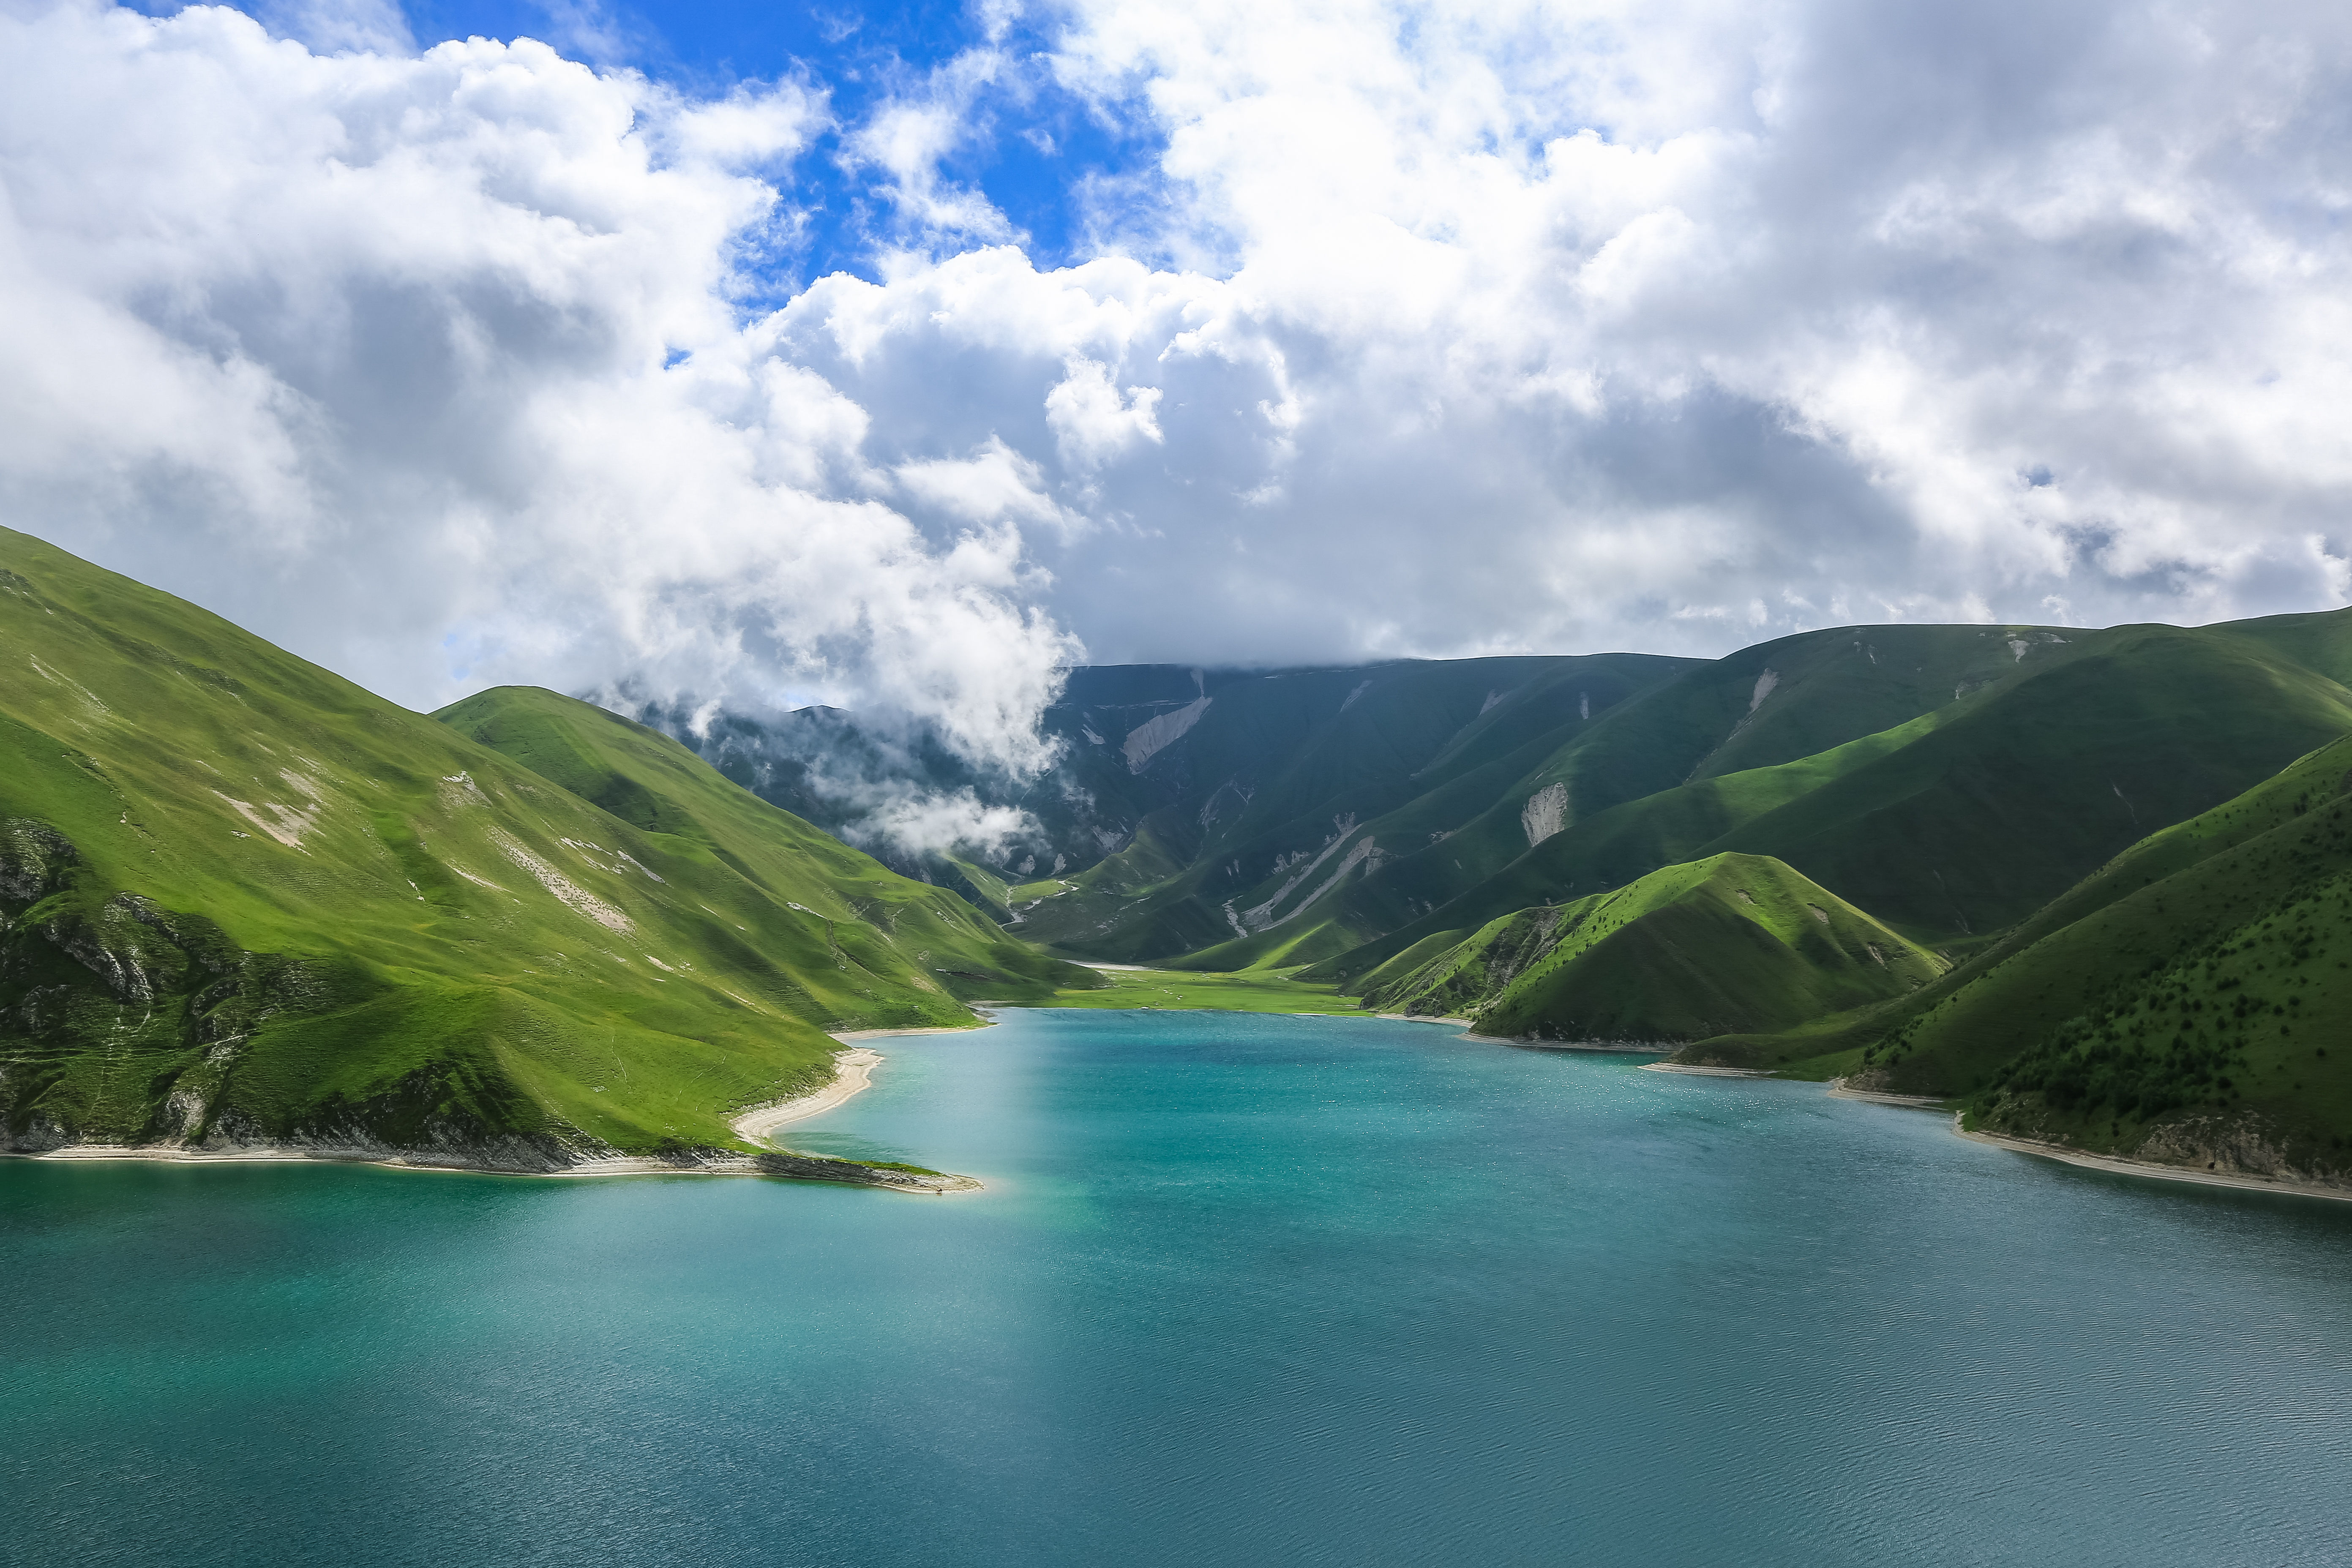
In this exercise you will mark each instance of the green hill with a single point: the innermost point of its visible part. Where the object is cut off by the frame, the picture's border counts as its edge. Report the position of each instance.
(1731, 943)
(2181, 1004)
(1959, 821)
(1476, 765)
(250, 903)
(1271, 790)
(1950, 779)
(2177, 1005)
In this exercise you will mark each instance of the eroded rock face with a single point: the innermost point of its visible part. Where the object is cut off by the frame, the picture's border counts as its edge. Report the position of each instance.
(166, 995)
(2227, 1144)
(36, 861)
(2236, 1145)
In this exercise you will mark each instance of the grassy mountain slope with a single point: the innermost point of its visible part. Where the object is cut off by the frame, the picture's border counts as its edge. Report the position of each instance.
(1277, 771)
(1773, 705)
(247, 901)
(648, 779)
(1965, 820)
(2191, 1002)
(1733, 942)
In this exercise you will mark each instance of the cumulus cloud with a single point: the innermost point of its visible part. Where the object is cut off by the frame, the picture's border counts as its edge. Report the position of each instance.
(427, 365)
(1093, 421)
(1538, 324)
(922, 822)
(1565, 325)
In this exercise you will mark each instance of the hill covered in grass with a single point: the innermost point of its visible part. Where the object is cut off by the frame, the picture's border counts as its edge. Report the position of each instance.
(1963, 821)
(1732, 943)
(2190, 1002)
(248, 903)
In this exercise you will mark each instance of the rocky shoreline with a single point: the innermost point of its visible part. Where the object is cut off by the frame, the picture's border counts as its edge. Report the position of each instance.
(541, 1155)
(511, 1157)
(2296, 1183)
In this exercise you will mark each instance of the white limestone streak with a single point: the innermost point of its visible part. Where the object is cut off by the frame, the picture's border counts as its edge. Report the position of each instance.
(1154, 736)
(574, 896)
(1545, 814)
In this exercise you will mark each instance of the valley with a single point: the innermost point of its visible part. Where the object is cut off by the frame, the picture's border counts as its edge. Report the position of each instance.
(2090, 888)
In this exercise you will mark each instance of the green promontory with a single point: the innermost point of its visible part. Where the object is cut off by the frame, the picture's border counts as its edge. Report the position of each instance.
(245, 903)
(1731, 943)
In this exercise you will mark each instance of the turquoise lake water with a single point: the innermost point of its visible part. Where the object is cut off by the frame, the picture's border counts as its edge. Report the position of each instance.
(1244, 1290)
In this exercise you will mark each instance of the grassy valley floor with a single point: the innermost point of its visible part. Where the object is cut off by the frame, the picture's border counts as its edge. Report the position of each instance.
(1257, 991)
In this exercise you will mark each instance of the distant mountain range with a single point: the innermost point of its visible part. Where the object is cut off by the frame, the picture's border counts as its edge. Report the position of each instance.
(1951, 780)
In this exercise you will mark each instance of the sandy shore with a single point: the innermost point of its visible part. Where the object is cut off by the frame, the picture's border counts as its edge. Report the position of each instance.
(1706, 1072)
(1409, 1019)
(1838, 1090)
(853, 1074)
(850, 1037)
(2147, 1168)
(615, 1165)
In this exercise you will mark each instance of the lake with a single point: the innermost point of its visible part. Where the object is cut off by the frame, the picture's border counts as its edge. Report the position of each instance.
(1243, 1290)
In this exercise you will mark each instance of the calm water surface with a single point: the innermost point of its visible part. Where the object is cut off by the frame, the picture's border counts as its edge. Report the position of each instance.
(1244, 1291)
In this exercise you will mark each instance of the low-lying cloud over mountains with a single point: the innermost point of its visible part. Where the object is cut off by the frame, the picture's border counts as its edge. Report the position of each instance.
(1408, 330)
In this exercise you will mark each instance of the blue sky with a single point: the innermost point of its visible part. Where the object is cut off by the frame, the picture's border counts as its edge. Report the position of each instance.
(1035, 150)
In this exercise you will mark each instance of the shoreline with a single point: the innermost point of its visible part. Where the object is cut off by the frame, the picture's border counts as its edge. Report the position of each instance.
(1838, 1090)
(328, 1155)
(711, 1162)
(854, 1073)
(717, 1162)
(2113, 1166)
(851, 1036)
(853, 1070)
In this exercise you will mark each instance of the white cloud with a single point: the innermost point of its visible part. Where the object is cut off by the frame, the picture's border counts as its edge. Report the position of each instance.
(338, 27)
(1093, 421)
(375, 354)
(954, 822)
(906, 139)
(1585, 313)
(994, 485)
(1432, 329)
(747, 128)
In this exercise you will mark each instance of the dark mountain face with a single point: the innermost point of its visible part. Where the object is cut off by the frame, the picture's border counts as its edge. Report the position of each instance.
(1161, 763)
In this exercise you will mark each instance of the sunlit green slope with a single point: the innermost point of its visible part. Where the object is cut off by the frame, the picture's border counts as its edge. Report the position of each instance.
(648, 779)
(1733, 942)
(248, 902)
